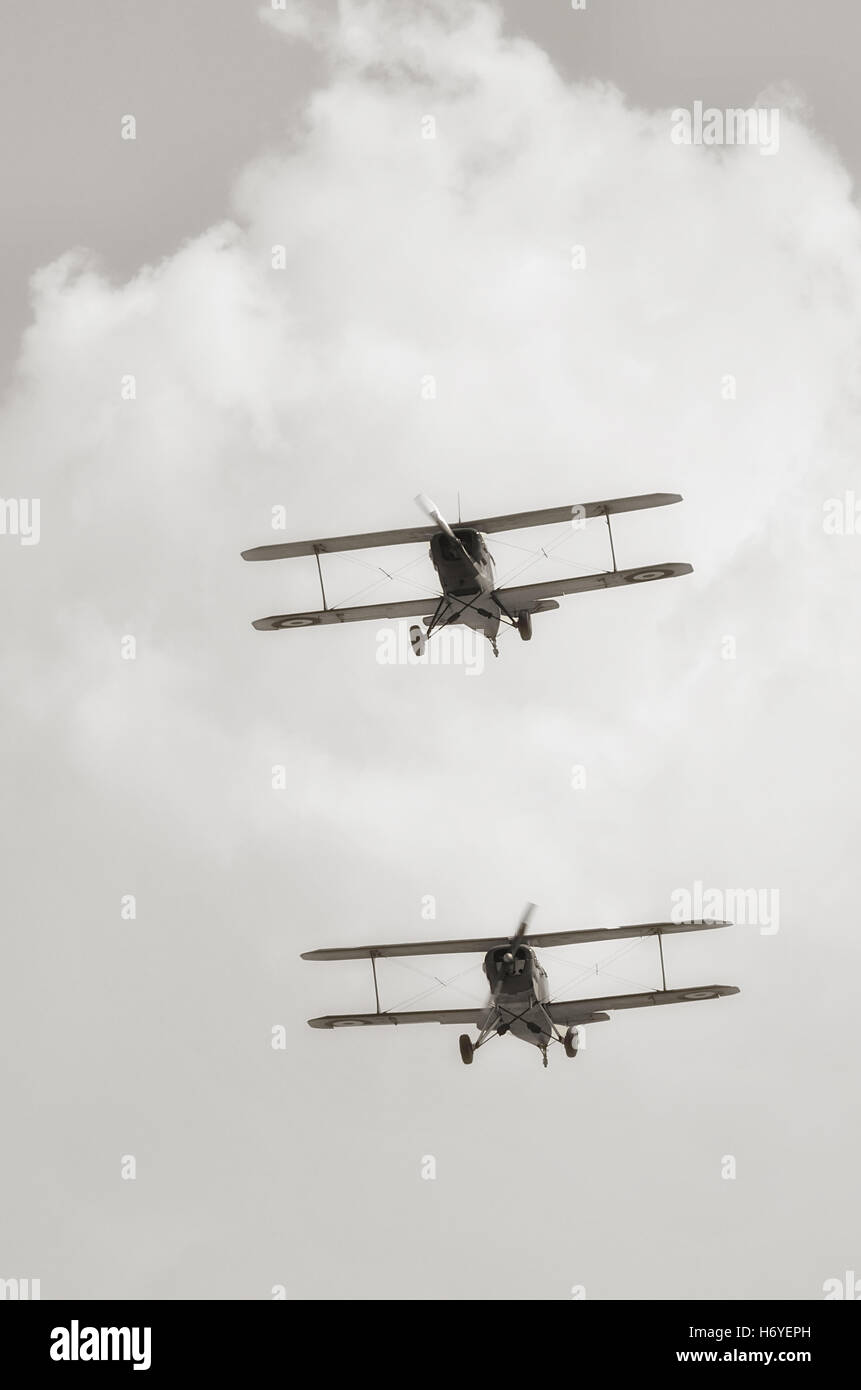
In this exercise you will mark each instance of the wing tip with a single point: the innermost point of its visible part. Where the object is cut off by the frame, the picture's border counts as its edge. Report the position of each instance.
(700, 993)
(704, 922)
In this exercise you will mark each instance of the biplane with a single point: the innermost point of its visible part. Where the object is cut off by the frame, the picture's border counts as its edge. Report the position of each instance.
(520, 1002)
(469, 594)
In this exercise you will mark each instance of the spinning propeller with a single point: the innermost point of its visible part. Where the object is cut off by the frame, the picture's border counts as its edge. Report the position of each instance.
(518, 936)
(433, 513)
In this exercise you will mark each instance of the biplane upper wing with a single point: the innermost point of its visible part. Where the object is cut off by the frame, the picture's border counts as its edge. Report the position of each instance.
(468, 1017)
(572, 1011)
(487, 943)
(551, 516)
(593, 934)
(370, 540)
(407, 948)
(415, 535)
(527, 596)
(408, 608)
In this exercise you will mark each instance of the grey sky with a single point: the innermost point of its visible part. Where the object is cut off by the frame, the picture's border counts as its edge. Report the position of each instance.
(255, 388)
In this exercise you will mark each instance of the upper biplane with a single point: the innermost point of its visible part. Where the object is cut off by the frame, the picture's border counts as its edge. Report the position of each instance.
(520, 1002)
(465, 570)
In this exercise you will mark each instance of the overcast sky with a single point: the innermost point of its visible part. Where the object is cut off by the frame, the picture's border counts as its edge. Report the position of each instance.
(706, 342)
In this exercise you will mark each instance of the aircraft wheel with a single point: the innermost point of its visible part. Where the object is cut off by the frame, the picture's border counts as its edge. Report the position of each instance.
(467, 1051)
(524, 626)
(418, 640)
(571, 1043)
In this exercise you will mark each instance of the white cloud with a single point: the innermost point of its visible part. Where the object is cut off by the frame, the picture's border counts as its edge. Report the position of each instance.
(451, 256)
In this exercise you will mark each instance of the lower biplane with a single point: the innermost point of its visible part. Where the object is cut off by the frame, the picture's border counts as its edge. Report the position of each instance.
(520, 1002)
(469, 594)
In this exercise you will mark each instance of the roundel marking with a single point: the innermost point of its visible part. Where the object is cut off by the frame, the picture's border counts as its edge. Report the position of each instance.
(642, 575)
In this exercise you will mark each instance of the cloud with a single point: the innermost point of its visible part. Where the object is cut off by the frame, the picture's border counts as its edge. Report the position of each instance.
(448, 257)
(428, 209)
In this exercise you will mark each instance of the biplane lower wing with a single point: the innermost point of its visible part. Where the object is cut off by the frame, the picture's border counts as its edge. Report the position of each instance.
(572, 1011)
(370, 612)
(467, 1017)
(523, 599)
(566, 1012)
(415, 535)
(527, 597)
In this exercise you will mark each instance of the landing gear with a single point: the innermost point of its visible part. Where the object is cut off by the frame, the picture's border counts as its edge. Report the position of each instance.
(544, 1055)
(494, 646)
(467, 1050)
(524, 626)
(418, 640)
(571, 1043)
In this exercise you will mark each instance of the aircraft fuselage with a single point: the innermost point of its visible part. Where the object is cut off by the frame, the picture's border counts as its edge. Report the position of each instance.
(519, 990)
(464, 567)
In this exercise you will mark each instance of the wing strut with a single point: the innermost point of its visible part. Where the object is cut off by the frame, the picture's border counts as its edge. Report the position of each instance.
(320, 572)
(612, 547)
(376, 990)
(660, 944)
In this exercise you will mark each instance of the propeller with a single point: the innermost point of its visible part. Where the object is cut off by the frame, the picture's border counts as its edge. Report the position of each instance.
(432, 511)
(524, 922)
(518, 936)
